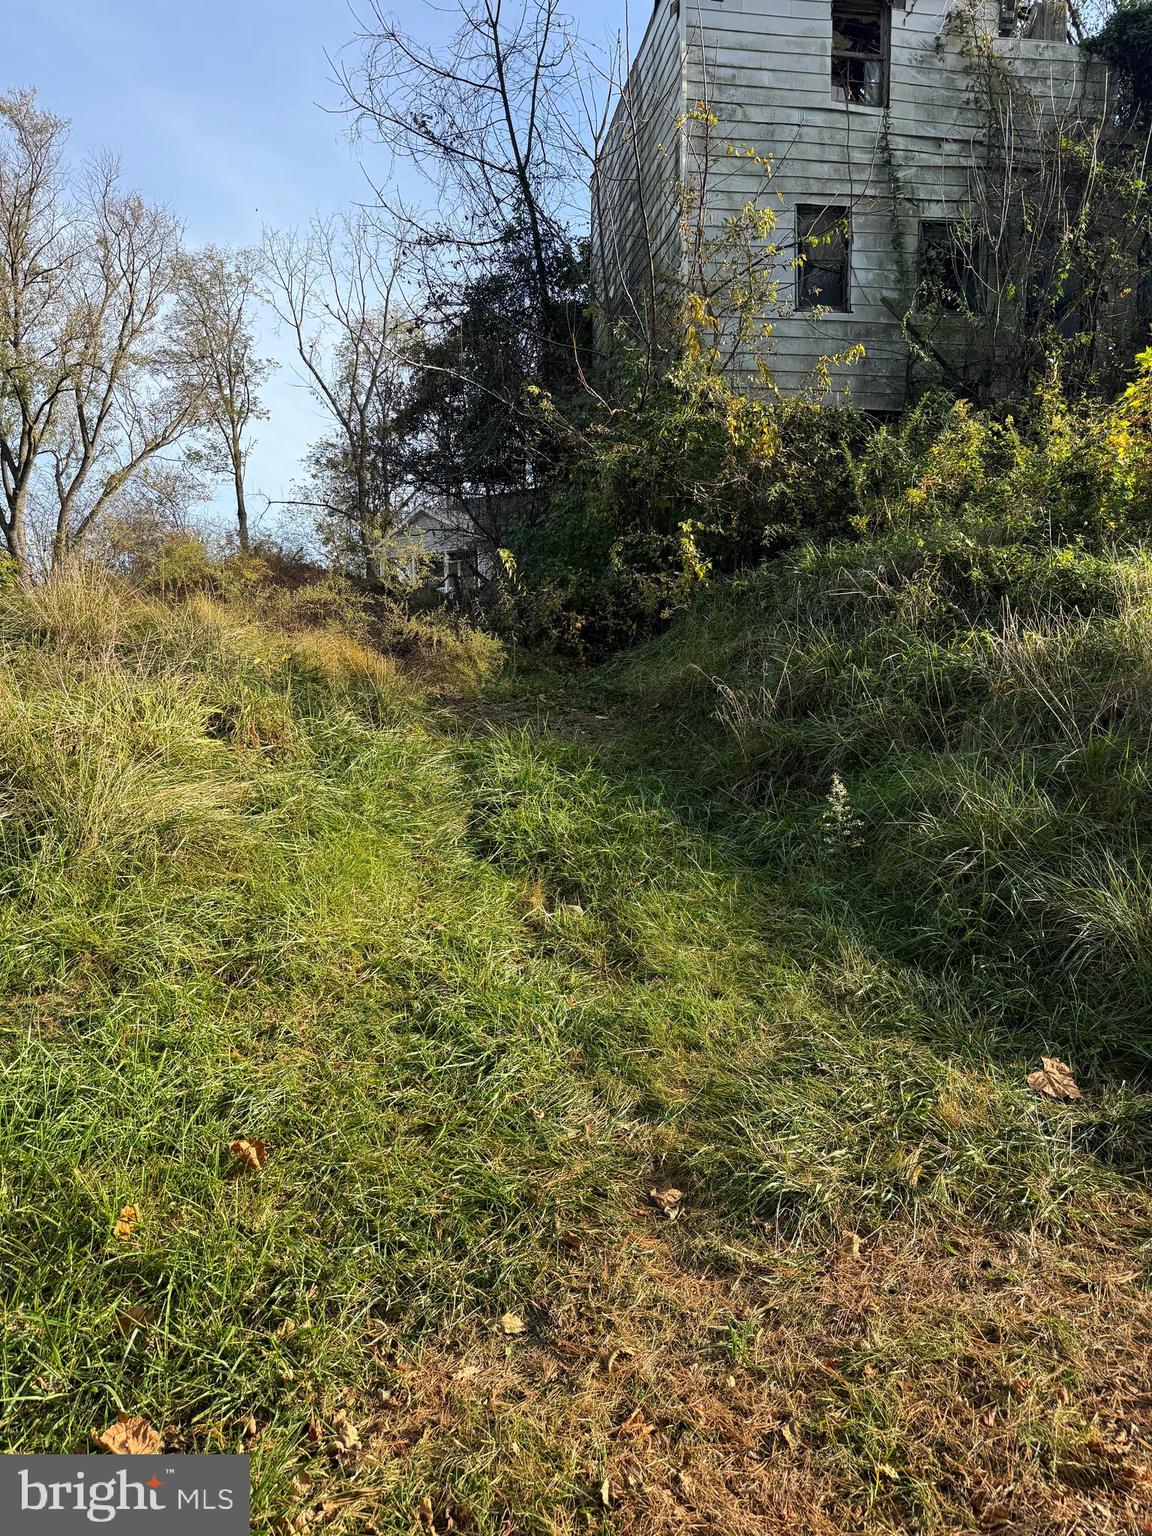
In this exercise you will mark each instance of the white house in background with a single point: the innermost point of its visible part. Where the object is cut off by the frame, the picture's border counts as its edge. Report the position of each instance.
(441, 546)
(871, 114)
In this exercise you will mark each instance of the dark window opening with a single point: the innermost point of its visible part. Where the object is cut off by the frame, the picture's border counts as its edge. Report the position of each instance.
(861, 38)
(461, 574)
(948, 275)
(1053, 292)
(1040, 20)
(823, 250)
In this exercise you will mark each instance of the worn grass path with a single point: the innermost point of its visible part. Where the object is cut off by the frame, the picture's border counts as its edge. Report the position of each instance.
(482, 981)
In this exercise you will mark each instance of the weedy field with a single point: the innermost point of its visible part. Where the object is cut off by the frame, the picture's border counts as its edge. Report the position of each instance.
(590, 1104)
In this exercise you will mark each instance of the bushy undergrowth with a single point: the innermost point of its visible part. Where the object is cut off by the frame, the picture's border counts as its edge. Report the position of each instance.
(699, 481)
(324, 611)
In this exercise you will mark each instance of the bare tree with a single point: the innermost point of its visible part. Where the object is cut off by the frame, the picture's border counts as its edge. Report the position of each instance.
(87, 397)
(337, 290)
(487, 117)
(39, 255)
(218, 292)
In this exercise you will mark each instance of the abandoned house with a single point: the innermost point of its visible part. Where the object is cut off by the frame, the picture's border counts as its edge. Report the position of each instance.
(863, 125)
(442, 546)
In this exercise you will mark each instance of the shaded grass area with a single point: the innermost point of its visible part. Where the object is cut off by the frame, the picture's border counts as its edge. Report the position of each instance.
(941, 746)
(480, 988)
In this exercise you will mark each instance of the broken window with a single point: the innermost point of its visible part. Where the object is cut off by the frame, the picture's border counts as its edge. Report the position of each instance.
(861, 34)
(948, 276)
(823, 272)
(1043, 20)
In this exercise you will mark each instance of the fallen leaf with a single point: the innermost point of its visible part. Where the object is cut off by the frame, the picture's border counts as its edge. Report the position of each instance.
(669, 1201)
(512, 1324)
(129, 1319)
(635, 1425)
(466, 1373)
(995, 1516)
(1054, 1080)
(790, 1436)
(345, 1436)
(285, 1330)
(130, 1437)
(853, 1245)
(127, 1222)
(253, 1154)
(251, 1428)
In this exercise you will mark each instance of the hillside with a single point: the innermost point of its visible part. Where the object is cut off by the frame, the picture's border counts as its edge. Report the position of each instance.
(548, 1103)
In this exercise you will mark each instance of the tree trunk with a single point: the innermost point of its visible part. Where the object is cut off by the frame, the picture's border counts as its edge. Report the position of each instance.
(241, 503)
(59, 549)
(15, 536)
(368, 549)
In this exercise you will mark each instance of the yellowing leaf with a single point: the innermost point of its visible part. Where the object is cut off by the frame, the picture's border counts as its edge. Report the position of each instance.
(130, 1437)
(253, 1154)
(791, 1437)
(127, 1222)
(1054, 1080)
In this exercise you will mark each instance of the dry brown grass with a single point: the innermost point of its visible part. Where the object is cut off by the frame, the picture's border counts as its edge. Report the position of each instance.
(668, 1384)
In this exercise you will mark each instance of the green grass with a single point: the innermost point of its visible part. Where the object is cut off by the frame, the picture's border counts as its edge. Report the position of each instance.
(481, 977)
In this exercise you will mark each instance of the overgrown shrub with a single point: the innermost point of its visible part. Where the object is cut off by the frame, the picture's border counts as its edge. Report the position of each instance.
(1125, 44)
(699, 481)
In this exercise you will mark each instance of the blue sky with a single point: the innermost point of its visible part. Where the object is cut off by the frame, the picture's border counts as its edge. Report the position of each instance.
(223, 109)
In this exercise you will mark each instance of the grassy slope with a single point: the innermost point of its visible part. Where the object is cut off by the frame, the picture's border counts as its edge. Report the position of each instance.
(480, 981)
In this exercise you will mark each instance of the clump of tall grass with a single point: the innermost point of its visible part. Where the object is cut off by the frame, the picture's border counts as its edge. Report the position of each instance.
(987, 709)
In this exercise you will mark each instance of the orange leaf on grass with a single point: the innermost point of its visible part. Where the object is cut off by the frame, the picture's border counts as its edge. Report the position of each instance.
(130, 1436)
(127, 1222)
(253, 1154)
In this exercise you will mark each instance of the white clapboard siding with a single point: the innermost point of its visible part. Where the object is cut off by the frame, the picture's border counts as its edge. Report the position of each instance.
(764, 69)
